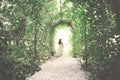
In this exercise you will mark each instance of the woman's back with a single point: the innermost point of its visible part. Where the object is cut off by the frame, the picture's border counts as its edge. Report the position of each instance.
(60, 48)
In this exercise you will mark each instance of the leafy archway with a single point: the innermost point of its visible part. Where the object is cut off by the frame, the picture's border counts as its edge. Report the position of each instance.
(52, 33)
(65, 33)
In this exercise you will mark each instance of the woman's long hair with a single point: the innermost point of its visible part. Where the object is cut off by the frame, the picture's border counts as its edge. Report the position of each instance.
(60, 41)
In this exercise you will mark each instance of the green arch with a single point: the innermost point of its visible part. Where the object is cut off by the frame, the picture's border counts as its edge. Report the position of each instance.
(53, 26)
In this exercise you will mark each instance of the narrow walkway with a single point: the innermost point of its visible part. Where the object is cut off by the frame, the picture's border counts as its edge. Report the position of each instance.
(62, 68)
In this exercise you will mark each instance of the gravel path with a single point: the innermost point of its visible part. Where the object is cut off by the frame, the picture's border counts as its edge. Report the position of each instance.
(62, 68)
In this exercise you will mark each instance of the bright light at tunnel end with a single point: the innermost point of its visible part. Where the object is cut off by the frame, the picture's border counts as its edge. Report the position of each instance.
(64, 34)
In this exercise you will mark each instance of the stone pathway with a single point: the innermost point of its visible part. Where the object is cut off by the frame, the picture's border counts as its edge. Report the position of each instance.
(61, 68)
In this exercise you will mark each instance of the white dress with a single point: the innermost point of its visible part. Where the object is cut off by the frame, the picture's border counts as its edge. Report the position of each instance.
(60, 50)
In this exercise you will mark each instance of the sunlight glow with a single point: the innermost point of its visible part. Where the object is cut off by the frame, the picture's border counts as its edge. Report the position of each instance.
(64, 34)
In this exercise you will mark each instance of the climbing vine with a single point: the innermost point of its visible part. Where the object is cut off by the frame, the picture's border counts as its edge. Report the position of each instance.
(98, 41)
(27, 27)
(24, 38)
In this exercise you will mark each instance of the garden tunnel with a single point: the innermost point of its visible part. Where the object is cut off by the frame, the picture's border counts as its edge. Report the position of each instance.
(27, 32)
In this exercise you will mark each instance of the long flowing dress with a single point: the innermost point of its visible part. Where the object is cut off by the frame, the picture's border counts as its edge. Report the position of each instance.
(60, 50)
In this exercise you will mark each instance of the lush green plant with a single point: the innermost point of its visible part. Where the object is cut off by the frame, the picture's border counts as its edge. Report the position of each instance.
(99, 42)
(24, 38)
(27, 27)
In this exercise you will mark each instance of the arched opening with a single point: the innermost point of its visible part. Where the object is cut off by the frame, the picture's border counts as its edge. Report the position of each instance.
(60, 29)
(65, 33)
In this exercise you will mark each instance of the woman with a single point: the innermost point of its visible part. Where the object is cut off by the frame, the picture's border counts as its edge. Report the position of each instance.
(60, 48)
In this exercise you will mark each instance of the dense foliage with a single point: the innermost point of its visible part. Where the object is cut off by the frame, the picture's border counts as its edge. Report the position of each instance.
(96, 24)
(27, 29)
(24, 37)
